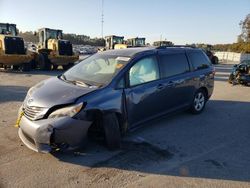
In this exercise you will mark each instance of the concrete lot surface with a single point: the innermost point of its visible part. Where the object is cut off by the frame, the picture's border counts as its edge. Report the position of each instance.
(207, 150)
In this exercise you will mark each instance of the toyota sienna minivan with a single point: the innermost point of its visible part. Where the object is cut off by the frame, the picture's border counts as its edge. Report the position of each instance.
(112, 92)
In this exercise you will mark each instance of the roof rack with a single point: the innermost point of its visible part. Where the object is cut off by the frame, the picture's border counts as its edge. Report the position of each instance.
(173, 46)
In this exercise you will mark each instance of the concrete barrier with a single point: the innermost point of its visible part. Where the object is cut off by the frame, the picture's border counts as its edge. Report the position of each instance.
(232, 57)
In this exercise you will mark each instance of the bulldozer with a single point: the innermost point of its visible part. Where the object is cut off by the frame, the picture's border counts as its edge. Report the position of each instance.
(53, 51)
(136, 42)
(114, 42)
(12, 50)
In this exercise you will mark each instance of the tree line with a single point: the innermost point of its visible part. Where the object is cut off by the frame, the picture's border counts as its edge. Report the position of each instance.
(29, 36)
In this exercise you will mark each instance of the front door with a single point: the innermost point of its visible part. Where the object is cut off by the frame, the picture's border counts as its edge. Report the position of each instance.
(142, 93)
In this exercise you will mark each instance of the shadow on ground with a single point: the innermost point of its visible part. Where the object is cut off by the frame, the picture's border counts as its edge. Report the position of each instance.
(12, 93)
(34, 72)
(214, 144)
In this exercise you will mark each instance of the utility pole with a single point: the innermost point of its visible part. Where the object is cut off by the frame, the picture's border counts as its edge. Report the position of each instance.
(102, 17)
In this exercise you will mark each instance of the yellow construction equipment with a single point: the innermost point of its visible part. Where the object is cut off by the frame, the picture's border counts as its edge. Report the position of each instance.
(114, 42)
(118, 42)
(136, 42)
(12, 51)
(53, 51)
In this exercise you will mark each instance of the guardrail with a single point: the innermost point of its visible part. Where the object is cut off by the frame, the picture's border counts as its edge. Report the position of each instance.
(232, 57)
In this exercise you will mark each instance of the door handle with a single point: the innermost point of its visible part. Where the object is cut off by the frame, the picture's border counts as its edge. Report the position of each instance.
(170, 84)
(160, 86)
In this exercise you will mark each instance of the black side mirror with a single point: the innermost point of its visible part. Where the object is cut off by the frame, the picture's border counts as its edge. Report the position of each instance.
(35, 33)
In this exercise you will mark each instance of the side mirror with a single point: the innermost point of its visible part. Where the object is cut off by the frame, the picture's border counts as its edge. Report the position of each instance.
(35, 33)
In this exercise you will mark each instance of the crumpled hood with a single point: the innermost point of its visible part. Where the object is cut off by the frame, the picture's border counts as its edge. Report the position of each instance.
(54, 91)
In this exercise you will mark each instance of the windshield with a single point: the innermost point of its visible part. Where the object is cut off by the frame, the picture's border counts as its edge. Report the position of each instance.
(11, 30)
(118, 40)
(247, 62)
(98, 69)
(53, 34)
(140, 42)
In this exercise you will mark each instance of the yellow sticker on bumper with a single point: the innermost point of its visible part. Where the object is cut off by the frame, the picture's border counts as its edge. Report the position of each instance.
(19, 119)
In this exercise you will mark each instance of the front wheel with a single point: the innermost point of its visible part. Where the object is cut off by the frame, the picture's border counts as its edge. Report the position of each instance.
(215, 60)
(199, 102)
(26, 67)
(112, 131)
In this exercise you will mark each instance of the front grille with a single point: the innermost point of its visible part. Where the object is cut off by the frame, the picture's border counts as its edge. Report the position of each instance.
(14, 45)
(34, 112)
(65, 48)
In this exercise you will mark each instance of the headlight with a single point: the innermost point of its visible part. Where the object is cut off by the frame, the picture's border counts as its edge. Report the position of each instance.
(67, 111)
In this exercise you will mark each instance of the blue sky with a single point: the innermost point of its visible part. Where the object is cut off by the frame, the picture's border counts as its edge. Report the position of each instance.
(181, 21)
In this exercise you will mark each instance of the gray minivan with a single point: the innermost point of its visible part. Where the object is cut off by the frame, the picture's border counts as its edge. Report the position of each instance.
(112, 92)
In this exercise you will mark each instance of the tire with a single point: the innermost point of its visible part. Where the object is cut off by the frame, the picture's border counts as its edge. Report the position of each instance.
(43, 62)
(15, 67)
(199, 102)
(112, 131)
(26, 67)
(231, 78)
(55, 67)
(215, 60)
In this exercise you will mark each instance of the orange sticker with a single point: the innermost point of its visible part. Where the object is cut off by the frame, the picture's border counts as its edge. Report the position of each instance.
(118, 66)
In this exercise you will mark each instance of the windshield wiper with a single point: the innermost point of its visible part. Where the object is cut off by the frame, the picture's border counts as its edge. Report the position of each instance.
(63, 77)
(77, 82)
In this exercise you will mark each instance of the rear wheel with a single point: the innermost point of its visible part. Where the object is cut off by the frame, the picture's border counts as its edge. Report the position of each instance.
(112, 131)
(199, 102)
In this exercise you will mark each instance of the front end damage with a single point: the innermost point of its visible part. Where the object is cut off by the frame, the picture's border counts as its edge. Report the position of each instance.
(55, 133)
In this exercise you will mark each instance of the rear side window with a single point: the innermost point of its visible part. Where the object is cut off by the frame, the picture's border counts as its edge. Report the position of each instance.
(173, 64)
(199, 60)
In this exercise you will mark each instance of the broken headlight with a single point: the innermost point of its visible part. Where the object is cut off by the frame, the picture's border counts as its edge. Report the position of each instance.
(67, 111)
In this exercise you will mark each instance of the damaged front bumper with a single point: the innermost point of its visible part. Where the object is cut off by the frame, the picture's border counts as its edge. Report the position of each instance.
(46, 134)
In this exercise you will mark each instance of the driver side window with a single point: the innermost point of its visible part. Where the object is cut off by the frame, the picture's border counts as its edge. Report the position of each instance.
(145, 70)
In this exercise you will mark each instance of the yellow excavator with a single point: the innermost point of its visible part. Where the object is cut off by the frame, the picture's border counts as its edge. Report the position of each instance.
(12, 50)
(53, 51)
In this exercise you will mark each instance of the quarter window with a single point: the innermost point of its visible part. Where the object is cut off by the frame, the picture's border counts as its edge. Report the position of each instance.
(174, 64)
(145, 70)
(199, 60)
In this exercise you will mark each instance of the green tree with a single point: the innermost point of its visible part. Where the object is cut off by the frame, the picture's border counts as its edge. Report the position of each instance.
(245, 27)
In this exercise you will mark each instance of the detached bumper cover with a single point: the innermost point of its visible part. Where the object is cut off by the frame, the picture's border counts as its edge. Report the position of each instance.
(40, 135)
